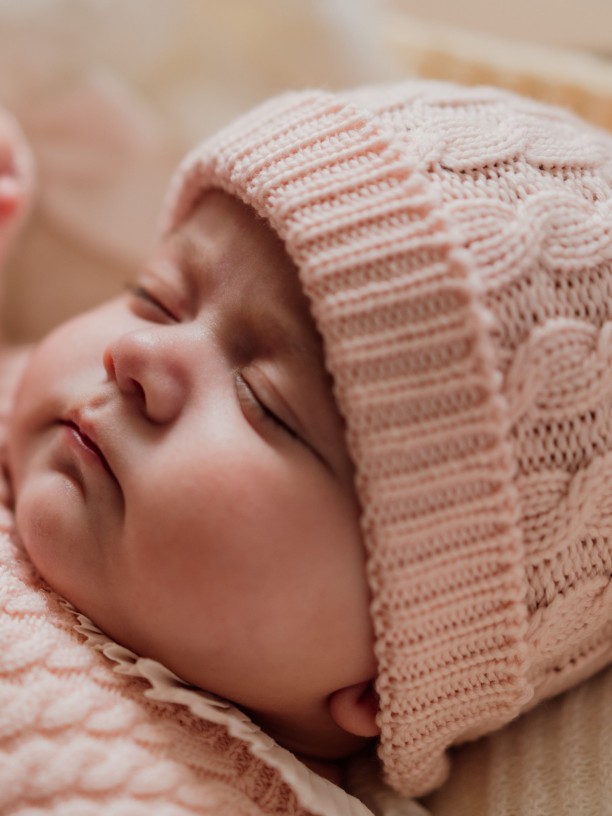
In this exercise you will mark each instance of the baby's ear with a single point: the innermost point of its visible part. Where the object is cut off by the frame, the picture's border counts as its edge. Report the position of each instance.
(354, 709)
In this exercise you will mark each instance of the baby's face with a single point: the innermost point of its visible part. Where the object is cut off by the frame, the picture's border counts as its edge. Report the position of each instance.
(181, 477)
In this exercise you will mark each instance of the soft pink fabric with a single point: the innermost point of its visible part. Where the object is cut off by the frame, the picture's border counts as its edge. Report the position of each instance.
(456, 246)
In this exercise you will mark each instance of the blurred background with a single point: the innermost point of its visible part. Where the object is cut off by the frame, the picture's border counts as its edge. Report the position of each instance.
(112, 92)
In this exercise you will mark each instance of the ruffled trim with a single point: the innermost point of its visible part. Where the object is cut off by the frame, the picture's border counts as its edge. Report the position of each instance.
(318, 795)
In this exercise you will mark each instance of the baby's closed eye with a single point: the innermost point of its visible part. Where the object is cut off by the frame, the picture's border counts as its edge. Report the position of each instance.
(148, 305)
(259, 406)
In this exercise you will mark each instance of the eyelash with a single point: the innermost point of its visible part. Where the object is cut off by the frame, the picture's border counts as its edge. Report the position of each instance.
(143, 294)
(246, 394)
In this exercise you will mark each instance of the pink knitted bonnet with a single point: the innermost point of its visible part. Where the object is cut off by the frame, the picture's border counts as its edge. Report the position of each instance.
(455, 245)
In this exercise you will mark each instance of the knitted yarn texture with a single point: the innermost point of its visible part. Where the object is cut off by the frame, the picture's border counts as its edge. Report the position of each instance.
(455, 245)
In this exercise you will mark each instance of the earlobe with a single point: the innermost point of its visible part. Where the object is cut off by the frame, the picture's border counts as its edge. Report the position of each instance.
(354, 709)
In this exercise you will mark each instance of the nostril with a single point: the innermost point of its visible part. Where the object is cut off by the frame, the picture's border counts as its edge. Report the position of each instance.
(146, 368)
(109, 363)
(138, 391)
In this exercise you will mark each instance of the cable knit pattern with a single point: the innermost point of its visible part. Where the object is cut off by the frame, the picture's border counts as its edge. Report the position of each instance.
(456, 248)
(540, 233)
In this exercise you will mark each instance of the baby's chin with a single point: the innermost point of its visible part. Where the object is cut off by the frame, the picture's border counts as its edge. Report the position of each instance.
(311, 733)
(324, 751)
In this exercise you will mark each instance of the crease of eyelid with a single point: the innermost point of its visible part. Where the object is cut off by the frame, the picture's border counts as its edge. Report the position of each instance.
(246, 392)
(143, 294)
(262, 382)
(307, 437)
(297, 435)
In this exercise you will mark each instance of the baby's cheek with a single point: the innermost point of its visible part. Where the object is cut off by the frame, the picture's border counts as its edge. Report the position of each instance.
(50, 530)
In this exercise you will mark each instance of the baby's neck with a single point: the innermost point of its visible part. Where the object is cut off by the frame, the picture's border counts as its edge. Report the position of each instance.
(328, 769)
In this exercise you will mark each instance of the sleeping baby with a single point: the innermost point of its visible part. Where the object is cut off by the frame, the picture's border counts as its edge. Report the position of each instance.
(340, 454)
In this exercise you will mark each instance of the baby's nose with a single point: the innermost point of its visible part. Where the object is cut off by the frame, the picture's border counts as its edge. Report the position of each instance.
(148, 368)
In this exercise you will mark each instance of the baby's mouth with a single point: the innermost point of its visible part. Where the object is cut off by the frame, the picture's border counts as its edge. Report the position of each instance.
(89, 443)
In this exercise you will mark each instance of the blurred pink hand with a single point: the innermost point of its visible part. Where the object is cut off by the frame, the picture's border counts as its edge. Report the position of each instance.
(16, 181)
